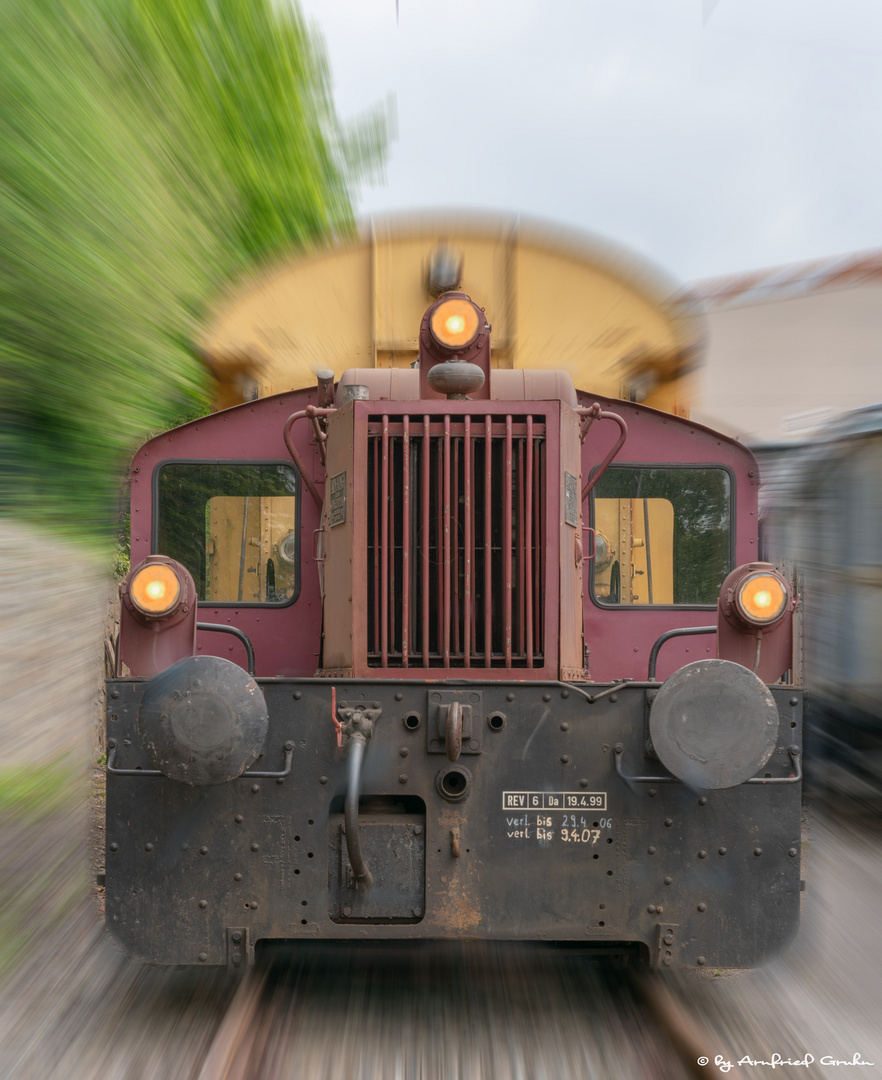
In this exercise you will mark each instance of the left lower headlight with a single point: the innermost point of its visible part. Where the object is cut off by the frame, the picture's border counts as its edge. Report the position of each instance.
(155, 590)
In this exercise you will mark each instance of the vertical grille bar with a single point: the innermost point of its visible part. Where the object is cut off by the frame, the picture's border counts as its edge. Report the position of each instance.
(468, 528)
(376, 559)
(519, 543)
(384, 554)
(439, 541)
(506, 540)
(528, 543)
(445, 595)
(454, 545)
(405, 548)
(488, 541)
(424, 539)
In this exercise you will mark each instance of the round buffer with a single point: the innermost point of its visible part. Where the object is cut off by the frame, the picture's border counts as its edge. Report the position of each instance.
(713, 724)
(203, 721)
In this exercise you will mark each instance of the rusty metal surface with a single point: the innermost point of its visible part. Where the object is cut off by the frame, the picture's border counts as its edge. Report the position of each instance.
(723, 866)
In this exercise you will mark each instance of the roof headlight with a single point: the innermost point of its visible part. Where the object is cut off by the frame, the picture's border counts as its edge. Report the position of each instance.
(455, 323)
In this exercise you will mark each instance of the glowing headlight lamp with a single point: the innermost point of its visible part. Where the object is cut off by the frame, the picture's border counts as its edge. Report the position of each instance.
(155, 590)
(455, 323)
(761, 598)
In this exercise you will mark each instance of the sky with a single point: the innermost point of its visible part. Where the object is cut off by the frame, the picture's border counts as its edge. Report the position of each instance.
(711, 136)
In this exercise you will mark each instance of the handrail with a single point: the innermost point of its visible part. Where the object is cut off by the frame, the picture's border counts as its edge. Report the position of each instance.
(311, 413)
(592, 413)
(685, 631)
(221, 628)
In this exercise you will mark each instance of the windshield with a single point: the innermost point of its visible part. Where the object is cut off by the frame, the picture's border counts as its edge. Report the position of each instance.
(662, 535)
(234, 526)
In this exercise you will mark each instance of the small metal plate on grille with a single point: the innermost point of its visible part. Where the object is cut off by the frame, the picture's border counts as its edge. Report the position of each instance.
(571, 500)
(713, 724)
(337, 499)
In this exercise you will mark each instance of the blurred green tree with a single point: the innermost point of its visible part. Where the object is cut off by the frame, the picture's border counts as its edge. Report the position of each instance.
(150, 151)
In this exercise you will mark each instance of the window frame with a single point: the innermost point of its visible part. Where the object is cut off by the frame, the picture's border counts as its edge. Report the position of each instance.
(298, 494)
(733, 525)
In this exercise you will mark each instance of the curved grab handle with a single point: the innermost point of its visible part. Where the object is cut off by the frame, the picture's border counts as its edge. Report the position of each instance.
(592, 413)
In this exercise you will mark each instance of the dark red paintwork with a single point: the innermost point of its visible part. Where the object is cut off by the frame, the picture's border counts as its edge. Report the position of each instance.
(287, 640)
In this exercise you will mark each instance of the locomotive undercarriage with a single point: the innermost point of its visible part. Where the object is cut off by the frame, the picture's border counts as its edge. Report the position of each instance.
(554, 822)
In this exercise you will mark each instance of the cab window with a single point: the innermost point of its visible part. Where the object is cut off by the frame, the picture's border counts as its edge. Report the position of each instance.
(234, 526)
(662, 535)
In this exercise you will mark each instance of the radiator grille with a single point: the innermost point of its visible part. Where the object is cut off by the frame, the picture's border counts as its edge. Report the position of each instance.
(456, 541)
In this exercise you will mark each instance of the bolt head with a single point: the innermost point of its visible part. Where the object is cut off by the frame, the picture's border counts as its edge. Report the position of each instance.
(723, 851)
(255, 788)
(114, 846)
(203, 904)
(203, 957)
(702, 854)
(702, 907)
(417, 830)
(347, 911)
(148, 847)
(203, 850)
(668, 880)
(323, 779)
(758, 851)
(701, 961)
(402, 778)
(792, 852)
(237, 877)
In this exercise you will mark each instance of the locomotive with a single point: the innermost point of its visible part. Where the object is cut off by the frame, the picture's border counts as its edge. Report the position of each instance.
(447, 652)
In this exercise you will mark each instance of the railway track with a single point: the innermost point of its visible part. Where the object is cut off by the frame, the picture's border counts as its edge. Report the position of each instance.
(472, 1012)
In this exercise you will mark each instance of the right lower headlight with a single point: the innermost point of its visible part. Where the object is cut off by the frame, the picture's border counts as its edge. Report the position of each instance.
(761, 597)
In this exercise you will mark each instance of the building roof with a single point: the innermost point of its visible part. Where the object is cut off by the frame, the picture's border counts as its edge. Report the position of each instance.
(784, 282)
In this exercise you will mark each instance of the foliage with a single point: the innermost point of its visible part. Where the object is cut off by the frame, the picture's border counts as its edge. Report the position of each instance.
(151, 150)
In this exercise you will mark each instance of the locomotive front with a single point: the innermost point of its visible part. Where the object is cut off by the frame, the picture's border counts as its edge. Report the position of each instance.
(385, 672)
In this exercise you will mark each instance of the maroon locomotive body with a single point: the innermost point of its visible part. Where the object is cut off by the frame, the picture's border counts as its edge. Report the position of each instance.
(446, 653)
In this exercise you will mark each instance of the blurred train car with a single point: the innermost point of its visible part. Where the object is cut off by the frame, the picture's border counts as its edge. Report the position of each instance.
(438, 643)
(822, 521)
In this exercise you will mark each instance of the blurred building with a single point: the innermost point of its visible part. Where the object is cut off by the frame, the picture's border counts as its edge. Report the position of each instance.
(791, 347)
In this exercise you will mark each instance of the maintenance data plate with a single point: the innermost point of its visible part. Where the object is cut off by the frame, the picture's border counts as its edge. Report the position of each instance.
(554, 800)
